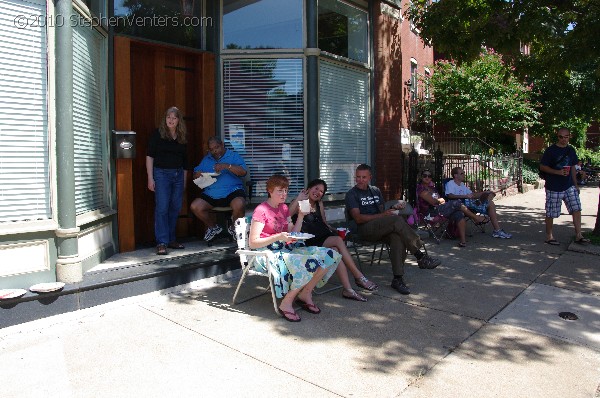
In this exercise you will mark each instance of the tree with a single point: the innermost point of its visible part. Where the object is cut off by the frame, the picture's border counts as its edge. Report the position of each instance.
(479, 98)
(552, 44)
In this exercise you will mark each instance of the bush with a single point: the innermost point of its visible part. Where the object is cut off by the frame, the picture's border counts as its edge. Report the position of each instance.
(530, 171)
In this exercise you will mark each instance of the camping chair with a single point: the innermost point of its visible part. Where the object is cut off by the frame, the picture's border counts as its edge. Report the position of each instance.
(436, 226)
(223, 214)
(360, 246)
(470, 222)
(247, 259)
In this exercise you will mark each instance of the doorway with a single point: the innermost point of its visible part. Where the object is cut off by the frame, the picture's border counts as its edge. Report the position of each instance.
(149, 78)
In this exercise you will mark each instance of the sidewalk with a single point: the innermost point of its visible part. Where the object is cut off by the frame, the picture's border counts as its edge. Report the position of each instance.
(484, 323)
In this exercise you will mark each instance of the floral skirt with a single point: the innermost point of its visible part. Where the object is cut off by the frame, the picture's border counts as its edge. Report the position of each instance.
(293, 265)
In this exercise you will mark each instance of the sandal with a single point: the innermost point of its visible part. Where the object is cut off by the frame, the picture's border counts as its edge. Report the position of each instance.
(485, 220)
(366, 284)
(313, 309)
(582, 241)
(462, 244)
(552, 242)
(290, 316)
(351, 294)
(176, 245)
(161, 249)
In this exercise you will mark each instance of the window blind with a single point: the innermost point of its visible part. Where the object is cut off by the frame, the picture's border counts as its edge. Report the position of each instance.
(343, 124)
(89, 85)
(24, 142)
(263, 118)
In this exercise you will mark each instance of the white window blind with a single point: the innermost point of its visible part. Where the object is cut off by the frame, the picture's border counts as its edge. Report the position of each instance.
(263, 117)
(24, 143)
(343, 124)
(89, 85)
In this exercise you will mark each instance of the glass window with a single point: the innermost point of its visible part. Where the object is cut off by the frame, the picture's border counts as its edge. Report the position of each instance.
(343, 30)
(24, 140)
(170, 21)
(343, 124)
(89, 128)
(263, 118)
(262, 24)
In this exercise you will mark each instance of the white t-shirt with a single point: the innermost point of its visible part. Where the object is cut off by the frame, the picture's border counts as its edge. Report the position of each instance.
(454, 189)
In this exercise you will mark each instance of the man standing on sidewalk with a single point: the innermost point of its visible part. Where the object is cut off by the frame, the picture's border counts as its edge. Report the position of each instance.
(558, 164)
(365, 204)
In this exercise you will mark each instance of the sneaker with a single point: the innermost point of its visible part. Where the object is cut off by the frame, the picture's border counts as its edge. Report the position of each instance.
(231, 230)
(428, 262)
(212, 232)
(501, 234)
(398, 284)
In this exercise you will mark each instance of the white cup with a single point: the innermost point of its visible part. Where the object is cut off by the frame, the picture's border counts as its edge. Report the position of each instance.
(304, 206)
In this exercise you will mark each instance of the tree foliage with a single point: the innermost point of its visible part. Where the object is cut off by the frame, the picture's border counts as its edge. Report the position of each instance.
(561, 57)
(479, 98)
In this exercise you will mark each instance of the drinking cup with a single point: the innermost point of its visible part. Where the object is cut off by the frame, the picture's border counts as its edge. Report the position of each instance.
(304, 206)
(342, 232)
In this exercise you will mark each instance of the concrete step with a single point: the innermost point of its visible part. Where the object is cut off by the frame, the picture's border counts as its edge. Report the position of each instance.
(124, 275)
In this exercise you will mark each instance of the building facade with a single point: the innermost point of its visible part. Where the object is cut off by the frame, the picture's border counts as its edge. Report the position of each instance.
(307, 88)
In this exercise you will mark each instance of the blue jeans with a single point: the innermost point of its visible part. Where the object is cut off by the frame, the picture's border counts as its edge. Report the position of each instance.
(168, 194)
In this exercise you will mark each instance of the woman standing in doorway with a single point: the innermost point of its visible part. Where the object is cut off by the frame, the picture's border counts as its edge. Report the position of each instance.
(166, 166)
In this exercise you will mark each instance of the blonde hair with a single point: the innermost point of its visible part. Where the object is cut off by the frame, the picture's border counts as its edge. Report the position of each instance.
(180, 129)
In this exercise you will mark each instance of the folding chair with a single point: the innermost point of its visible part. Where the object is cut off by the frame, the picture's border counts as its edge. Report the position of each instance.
(436, 226)
(247, 260)
(469, 220)
(360, 246)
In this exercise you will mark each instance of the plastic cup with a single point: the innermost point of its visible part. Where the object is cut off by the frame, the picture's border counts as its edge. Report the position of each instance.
(304, 206)
(342, 232)
(568, 168)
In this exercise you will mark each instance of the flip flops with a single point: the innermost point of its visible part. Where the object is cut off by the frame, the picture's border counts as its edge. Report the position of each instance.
(313, 309)
(290, 316)
(552, 242)
(352, 295)
(462, 244)
(582, 241)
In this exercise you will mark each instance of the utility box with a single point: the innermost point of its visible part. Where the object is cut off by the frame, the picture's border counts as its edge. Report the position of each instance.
(124, 144)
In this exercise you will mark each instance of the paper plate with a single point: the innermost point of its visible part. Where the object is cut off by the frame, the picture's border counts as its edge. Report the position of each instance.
(47, 287)
(6, 294)
(300, 235)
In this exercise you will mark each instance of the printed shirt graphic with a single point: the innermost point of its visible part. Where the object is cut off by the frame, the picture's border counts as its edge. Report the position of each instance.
(366, 201)
(567, 157)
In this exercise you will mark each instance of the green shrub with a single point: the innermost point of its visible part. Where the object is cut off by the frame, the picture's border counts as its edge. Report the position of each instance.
(530, 171)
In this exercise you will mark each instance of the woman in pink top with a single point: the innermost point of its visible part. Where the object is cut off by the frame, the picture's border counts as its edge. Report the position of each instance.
(300, 268)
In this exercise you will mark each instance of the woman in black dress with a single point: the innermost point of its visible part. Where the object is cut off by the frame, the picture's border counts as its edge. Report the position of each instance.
(326, 236)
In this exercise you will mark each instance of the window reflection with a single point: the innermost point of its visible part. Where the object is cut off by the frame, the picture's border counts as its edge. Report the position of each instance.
(260, 24)
(170, 21)
(343, 30)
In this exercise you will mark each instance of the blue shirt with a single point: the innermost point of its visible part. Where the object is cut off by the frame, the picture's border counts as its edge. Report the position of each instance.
(227, 182)
(557, 157)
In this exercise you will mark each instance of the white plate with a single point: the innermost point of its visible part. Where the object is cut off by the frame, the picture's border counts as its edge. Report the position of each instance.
(47, 287)
(211, 174)
(300, 235)
(6, 294)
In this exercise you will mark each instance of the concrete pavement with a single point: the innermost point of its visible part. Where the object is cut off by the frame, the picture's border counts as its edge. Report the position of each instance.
(485, 323)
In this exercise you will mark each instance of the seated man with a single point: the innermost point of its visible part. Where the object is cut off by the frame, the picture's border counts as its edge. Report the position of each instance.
(227, 191)
(364, 203)
(481, 202)
(580, 173)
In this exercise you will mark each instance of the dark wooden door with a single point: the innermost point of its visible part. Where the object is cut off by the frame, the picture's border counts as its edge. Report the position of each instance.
(161, 76)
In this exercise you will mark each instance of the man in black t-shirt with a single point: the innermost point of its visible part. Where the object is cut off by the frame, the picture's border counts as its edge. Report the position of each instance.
(365, 204)
(558, 163)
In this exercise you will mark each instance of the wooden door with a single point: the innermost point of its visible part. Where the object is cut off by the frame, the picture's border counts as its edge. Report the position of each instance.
(150, 78)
